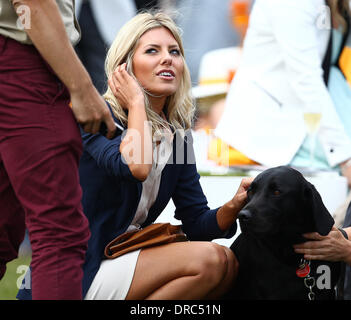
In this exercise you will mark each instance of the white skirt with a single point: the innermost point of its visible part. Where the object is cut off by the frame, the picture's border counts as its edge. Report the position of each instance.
(114, 277)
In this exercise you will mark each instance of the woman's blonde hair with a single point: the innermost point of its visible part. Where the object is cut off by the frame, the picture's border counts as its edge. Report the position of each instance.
(340, 9)
(180, 106)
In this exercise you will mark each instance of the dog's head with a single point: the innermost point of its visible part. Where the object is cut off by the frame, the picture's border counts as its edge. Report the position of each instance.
(281, 202)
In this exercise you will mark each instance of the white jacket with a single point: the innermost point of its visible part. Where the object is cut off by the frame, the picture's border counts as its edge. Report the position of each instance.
(280, 75)
(110, 15)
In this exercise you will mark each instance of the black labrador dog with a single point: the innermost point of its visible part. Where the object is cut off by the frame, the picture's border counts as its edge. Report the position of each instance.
(281, 206)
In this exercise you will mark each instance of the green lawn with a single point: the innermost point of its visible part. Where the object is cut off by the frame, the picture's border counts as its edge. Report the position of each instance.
(14, 273)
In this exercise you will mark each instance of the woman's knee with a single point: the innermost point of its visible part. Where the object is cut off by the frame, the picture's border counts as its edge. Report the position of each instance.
(232, 260)
(212, 262)
(233, 264)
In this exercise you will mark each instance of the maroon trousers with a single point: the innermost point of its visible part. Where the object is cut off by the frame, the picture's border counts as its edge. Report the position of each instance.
(40, 146)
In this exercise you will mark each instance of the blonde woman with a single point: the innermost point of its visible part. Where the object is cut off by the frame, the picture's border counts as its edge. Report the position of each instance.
(149, 94)
(128, 181)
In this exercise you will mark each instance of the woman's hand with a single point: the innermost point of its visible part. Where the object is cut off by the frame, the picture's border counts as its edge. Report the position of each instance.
(227, 214)
(136, 146)
(239, 200)
(125, 88)
(333, 247)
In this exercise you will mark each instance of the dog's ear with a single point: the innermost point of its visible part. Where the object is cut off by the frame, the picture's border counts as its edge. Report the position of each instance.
(321, 216)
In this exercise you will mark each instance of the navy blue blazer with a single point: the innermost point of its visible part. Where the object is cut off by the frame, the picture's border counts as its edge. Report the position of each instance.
(111, 195)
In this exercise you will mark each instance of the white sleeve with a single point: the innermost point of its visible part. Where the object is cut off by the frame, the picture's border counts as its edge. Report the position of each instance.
(111, 15)
(297, 25)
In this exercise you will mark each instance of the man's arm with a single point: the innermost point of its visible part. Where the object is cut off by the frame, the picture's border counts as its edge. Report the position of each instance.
(49, 36)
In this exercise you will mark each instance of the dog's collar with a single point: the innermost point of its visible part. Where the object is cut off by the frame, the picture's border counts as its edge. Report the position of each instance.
(304, 268)
(303, 271)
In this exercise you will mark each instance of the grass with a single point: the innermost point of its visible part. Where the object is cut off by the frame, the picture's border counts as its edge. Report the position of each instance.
(227, 174)
(14, 273)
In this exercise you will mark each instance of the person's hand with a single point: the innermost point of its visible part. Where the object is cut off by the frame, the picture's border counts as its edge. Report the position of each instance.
(332, 247)
(90, 109)
(228, 213)
(239, 200)
(125, 88)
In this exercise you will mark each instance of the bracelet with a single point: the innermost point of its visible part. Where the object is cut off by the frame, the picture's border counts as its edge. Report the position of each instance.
(343, 233)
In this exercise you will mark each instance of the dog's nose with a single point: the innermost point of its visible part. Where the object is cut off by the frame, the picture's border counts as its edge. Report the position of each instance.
(245, 215)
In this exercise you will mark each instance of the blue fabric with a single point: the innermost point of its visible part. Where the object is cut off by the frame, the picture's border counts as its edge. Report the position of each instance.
(339, 88)
(340, 92)
(302, 157)
(111, 195)
(336, 45)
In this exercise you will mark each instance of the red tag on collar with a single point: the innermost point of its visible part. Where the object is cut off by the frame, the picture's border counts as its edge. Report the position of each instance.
(303, 271)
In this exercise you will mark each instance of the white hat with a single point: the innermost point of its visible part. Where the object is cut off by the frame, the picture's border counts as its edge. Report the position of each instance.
(216, 68)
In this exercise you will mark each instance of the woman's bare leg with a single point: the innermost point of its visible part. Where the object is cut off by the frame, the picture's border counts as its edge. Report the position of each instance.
(229, 278)
(182, 270)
